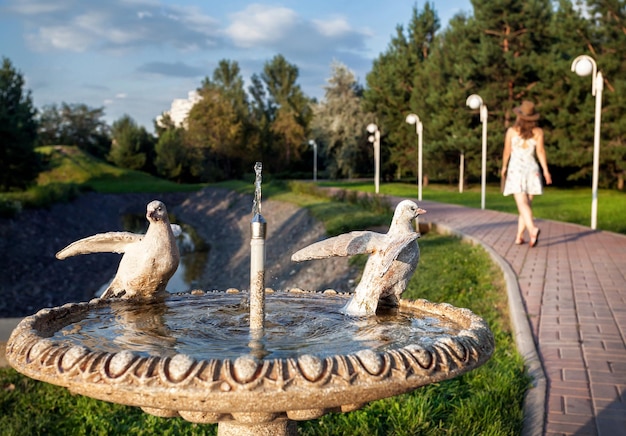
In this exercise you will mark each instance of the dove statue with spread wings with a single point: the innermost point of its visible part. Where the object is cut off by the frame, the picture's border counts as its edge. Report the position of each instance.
(149, 260)
(392, 260)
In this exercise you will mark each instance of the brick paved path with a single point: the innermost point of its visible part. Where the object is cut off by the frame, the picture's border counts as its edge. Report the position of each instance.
(573, 286)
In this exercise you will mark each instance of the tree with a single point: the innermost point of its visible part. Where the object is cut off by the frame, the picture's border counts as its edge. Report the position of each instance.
(566, 116)
(339, 125)
(440, 89)
(212, 130)
(290, 112)
(611, 31)
(132, 146)
(218, 125)
(75, 124)
(390, 87)
(261, 114)
(240, 152)
(513, 46)
(170, 154)
(507, 51)
(19, 163)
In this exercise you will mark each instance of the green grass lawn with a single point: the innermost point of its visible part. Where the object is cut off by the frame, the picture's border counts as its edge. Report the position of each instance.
(571, 205)
(485, 401)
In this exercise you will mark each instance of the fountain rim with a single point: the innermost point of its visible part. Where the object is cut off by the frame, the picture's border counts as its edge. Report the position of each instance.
(276, 384)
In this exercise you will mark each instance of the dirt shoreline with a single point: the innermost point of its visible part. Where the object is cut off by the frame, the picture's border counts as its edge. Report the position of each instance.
(32, 278)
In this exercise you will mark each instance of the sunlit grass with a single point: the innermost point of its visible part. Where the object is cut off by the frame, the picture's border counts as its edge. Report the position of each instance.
(69, 164)
(571, 205)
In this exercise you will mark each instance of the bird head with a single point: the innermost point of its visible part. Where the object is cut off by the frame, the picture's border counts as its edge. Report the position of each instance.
(156, 211)
(406, 212)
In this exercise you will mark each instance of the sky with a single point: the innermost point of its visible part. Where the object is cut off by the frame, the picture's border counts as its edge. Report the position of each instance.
(135, 56)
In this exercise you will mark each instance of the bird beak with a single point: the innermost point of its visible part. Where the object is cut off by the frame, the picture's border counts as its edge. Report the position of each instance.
(419, 212)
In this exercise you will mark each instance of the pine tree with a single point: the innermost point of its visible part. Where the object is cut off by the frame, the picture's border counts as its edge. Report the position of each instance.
(170, 154)
(132, 146)
(390, 86)
(290, 112)
(339, 125)
(565, 119)
(19, 163)
(441, 88)
(609, 40)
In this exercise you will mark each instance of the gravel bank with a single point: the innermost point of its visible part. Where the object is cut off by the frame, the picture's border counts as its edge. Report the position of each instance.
(32, 278)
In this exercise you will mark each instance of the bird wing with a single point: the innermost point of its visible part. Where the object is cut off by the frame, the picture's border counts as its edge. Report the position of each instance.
(395, 247)
(176, 230)
(111, 242)
(347, 244)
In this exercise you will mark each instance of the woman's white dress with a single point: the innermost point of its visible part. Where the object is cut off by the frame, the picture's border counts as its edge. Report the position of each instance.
(523, 173)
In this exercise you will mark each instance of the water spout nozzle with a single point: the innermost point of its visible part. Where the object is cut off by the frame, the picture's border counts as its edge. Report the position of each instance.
(258, 226)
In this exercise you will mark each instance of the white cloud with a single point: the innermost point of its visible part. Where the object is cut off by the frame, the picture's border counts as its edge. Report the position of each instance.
(121, 95)
(261, 25)
(61, 38)
(114, 25)
(331, 28)
(35, 7)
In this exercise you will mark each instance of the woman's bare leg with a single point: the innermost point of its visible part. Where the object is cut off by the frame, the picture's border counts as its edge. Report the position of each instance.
(521, 226)
(524, 202)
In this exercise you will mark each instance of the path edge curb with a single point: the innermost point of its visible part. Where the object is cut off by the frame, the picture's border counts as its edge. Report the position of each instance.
(535, 398)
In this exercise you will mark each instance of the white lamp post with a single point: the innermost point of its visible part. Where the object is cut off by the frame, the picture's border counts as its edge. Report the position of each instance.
(419, 128)
(474, 101)
(314, 145)
(461, 172)
(374, 138)
(583, 66)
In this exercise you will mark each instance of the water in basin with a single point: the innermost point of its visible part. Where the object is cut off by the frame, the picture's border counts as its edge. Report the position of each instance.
(215, 326)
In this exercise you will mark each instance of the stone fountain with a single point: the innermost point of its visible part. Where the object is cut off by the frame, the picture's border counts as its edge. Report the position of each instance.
(254, 362)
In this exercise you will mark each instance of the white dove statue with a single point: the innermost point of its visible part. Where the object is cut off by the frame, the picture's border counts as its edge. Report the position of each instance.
(392, 261)
(149, 260)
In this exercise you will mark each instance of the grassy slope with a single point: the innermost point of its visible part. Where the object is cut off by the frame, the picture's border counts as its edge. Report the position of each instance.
(69, 164)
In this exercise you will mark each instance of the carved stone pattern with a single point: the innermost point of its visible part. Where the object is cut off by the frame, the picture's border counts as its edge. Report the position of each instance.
(361, 376)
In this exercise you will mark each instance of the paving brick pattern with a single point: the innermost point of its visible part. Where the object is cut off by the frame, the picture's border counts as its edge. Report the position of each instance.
(573, 285)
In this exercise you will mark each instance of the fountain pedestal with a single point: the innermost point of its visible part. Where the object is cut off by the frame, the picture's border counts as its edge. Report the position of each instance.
(188, 355)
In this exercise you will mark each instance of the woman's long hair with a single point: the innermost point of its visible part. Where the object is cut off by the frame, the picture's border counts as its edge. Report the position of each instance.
(525, 127)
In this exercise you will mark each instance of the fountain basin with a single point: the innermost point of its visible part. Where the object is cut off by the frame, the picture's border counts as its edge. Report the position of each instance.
(192, 355)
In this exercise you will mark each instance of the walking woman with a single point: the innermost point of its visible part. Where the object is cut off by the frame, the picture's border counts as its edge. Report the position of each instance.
(523, 155)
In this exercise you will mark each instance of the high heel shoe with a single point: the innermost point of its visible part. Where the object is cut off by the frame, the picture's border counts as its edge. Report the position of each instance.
(519, 241)
(534, 239)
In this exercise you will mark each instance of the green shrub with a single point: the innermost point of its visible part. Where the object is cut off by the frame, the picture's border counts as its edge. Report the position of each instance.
(46, 195)
(9, 207)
